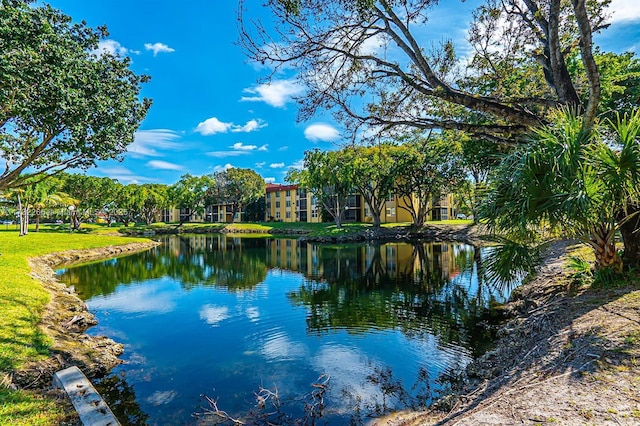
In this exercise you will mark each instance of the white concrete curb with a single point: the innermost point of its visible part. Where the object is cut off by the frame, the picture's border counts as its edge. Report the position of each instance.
(91, 408)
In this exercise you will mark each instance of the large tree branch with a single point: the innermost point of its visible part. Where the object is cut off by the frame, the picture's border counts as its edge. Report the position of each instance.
(586, 50)
(6, 178)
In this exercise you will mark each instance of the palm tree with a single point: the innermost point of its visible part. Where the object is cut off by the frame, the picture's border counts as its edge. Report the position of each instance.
(37, 195)
(583, 183)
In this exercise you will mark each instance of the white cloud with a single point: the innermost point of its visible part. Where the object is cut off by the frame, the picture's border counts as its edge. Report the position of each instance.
(321, 132)
(264, 147)
(277, 93)
(219, 168)
(213, 315)
(110, 46)
(269, 180)
(250, 126)
(253, 313)
(211, 126)
(138, 300)
(121, 174)
(225, 154)
(372, 45)
(280, 346)
(158, 48)
(276, 165)
(147, 142)
(624, 10)
(161, 398)
(164, 165)
(240, 147)
(283, 148)
(237, 149)
(260, 164)
(297, 165)
(349, 369)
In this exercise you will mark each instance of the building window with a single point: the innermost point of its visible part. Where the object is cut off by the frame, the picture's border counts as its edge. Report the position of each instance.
(185, 215)
(288, 193)
(277, 204)
(288, 203)
(314, 212)
(278, 194)
(391, 197)
(288, 215)
(391, 211)
(278, 215)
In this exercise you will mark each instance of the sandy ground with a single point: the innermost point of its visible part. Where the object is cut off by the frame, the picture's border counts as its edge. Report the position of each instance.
(570, 356)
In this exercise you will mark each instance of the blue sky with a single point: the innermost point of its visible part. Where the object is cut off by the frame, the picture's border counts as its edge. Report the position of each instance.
(210, 110)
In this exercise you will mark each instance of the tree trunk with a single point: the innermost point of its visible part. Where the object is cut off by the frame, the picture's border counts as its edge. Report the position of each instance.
(586, 50)
(21, 217)
(37, 220)
(24, 221)
(603, 243)
(234, 210)
(376, 218)
(75, 220)
(418, 219)
(630, 231)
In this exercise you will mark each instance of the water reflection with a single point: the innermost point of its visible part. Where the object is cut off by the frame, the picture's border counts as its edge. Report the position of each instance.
(122, 400)
(209, 312)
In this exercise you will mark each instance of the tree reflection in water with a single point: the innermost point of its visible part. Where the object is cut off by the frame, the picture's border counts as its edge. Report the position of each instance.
(430, 291)
(420, 288)
(122, 400)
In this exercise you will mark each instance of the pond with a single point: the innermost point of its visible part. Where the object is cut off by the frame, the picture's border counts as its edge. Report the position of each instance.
(222, 318)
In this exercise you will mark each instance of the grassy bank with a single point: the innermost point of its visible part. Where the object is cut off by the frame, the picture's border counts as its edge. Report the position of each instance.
(22, 300)
(310, 229)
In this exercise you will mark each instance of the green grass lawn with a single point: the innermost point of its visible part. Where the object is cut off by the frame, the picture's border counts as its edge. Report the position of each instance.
(22, 300)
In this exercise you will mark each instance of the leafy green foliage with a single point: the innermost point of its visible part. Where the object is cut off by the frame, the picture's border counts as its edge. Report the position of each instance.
(619, 79)
(371, 171)
(237, 187)
(89, 194)
(191, 193)
(583, 183)
(509, 261)
(326, 177)
(426, 169)
(62, 105)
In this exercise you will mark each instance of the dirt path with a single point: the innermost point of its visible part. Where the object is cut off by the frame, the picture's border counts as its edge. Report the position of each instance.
(571, 356)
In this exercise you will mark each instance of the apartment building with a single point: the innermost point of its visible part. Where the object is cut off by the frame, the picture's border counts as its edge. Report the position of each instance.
(290, 203)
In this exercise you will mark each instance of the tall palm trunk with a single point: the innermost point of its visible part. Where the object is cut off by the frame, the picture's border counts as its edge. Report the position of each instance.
(23, 216)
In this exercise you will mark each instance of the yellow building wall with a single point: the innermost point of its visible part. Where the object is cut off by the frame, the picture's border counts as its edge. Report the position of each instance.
(396, 209)
(283, 206)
